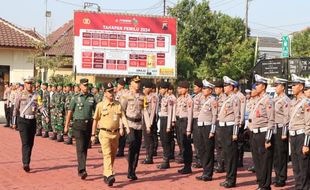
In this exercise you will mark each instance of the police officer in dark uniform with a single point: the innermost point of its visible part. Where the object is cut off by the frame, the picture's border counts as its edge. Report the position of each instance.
(81, 107)
(24, 113)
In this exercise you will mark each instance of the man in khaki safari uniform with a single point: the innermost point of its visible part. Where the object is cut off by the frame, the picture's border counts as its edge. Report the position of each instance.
(108, 115)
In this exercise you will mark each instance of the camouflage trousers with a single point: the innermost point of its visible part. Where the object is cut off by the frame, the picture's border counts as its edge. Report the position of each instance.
(45, 126)
(57, 122)
(39, 121)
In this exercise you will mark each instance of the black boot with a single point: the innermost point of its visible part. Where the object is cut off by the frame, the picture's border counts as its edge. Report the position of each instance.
(147, 160)
(186, 169)
(60, 138)
(69, 141)
(45, 135)
(54, 136)
(164, 165)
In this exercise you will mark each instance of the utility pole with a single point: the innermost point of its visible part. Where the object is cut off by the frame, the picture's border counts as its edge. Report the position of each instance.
(246, 18)
(164, 7)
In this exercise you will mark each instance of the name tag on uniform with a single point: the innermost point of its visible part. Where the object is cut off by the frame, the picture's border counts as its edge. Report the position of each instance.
(200, 124)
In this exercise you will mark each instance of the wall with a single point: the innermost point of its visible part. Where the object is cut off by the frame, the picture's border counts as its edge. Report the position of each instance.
(18, 61)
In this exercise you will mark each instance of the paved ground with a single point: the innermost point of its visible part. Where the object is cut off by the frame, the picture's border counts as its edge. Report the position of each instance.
(54, 167)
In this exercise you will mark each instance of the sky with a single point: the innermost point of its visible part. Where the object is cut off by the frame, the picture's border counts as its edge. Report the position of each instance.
(273, 18)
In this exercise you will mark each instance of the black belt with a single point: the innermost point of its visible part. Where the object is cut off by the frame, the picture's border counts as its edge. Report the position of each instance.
(83, 120)
(108, 130)
(182, 118)
(134, 119)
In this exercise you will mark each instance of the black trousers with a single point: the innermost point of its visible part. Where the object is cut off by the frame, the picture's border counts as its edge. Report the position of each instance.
(165, 138)
(230, 152)
(196, 139)
(178, 134)
(155, 136)
(241, 142)
(219, 148)
(187, 152)
(11, 114)
(263, 159)
(134, 140)
(7, 113)
(82, 133)
(27, 131)
(206, 149)
(300, 162)
(149, 143)
(122, 143)
(280, 157)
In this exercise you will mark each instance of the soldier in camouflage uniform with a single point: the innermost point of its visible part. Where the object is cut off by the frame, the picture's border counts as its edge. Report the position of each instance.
(46, 105)
(76, 89)
(60, 112)
(52, 111)
(38, 91)
(68, 96)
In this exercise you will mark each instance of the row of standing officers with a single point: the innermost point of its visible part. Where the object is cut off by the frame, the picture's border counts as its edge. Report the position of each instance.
(208, 119)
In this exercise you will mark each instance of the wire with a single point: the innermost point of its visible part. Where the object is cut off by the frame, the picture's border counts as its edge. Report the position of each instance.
(275, 28)
(223, 4)
(68, 3)
(237, 5)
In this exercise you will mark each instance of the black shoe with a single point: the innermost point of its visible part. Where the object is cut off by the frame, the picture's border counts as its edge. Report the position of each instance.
(26, 168)
(164, 165)
(204, 178)
(132, 177)
(147, 161)
(69, 141)
(53, 137)
(45, 135)
(7, 125)
(184, 170)
(280, 184)
(251, 169)
(60, 138)
(120, 154)
(83, 175)
(227, 184)
(110, 180)
(171, 158)
(197, 165)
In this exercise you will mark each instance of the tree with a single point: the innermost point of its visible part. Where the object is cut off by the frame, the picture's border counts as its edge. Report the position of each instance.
(211, 43)
(41, 61)
(301, 44)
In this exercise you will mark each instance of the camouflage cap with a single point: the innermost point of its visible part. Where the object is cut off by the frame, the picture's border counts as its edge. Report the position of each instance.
(68, 84)
(39, 81)
(45, 83)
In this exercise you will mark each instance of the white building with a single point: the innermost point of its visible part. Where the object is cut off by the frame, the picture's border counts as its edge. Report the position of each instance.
(16, 46)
